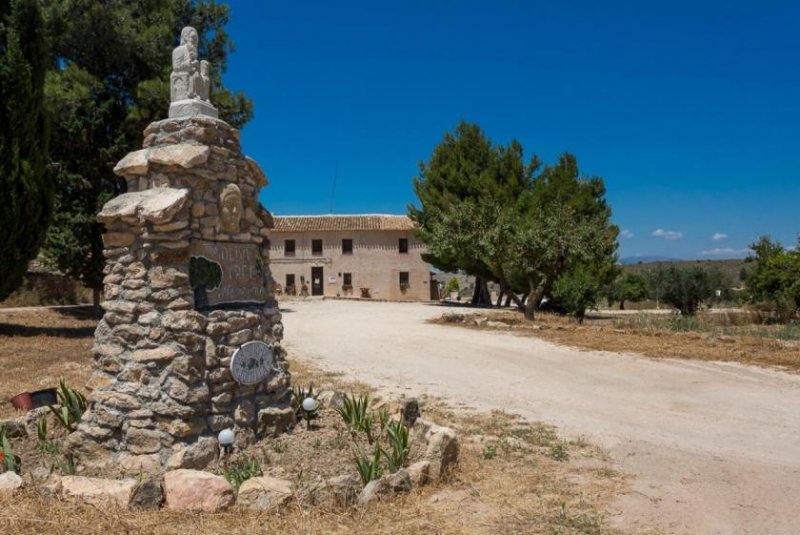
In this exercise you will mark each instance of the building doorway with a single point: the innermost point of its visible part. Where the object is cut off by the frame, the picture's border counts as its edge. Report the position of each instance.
(316, 281)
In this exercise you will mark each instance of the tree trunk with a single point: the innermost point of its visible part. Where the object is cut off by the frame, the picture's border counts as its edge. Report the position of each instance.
(535, 295)
(508, 299)
(622, 304)
(96, 303)
(500, 298)
(480, 296)
(476, 293)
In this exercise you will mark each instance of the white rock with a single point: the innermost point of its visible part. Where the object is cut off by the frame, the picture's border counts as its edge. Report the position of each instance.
(264, 493)
(135, 163)
(156, 205)
(98, 491)
(9, 483)
(182, 154)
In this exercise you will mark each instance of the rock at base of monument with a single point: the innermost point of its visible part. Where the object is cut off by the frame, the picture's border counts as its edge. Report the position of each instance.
(191, 107)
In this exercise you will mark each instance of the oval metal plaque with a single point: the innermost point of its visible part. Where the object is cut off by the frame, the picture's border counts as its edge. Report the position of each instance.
(252, 363)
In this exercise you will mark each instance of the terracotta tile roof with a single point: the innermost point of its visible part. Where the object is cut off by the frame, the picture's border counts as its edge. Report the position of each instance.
(299, 223)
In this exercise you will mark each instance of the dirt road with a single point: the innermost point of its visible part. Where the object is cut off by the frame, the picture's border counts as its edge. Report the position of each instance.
(715, 448)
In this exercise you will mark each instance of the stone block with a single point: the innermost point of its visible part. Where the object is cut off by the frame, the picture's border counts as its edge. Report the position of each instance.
(160, 355)
(140, 441)
(264, 493)
(192, 490)
(156, 206)
(97, 491)
(273, 421)
(195, 456)
(148, 494)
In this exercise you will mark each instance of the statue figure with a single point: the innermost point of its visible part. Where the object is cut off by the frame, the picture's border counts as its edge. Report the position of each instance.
(230, 208)
(190, 79)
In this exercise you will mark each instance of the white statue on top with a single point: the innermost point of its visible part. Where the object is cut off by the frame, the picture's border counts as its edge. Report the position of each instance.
(190, 84)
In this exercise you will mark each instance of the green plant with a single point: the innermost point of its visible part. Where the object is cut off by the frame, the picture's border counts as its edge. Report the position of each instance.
(72, 405)
(7, 457)
(489, 451)
(559, 451)
(356, 415)
(451, 286)
(46, 446)
(368, 468)
(240, 469)
(397, 436)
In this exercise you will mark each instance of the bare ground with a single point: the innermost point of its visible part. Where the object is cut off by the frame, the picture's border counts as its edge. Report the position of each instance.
(513, 476)
(714, 446)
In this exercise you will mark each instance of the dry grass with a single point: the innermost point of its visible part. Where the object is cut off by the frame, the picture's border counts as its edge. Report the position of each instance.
(713, 337)
(37, 347)
(513, 476)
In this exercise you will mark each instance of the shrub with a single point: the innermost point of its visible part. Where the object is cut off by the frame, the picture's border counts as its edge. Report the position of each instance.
(72, 405)
(241, 469)
(451, 286)
(688, 288)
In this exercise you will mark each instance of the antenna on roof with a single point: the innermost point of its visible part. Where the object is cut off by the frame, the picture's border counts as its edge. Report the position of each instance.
(333, 189)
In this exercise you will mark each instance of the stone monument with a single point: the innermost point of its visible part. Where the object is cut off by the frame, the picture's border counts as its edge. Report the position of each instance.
(190, 340)
(189, 83)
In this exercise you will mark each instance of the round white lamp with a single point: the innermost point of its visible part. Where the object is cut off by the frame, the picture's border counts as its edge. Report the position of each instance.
(226, 439)
(310, 406)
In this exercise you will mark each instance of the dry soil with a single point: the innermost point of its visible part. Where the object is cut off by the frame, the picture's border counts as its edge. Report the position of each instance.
(715, 447)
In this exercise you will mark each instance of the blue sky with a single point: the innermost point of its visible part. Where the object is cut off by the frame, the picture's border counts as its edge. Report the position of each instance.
(690, 111)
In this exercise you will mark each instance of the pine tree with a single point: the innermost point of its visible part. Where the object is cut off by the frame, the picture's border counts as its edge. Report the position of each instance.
(110, 78)
(26, 191)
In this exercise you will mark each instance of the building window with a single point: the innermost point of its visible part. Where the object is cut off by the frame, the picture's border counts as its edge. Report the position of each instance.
(403, 245)
(290, 288)
(288, 247)
(404, 280)
(347, 280)
(347, 246)
(316, 247)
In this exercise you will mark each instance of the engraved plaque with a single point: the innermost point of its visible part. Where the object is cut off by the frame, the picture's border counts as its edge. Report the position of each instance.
(225, 273)
(252, 363)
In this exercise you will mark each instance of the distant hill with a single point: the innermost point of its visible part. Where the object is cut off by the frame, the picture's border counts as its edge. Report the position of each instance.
(730, 267)
(628, 260)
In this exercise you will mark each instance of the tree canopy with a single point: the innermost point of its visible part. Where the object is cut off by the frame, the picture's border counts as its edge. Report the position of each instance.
(687, 288)
(108, 78)
(26, 191)
(774, 278)
(487, 212)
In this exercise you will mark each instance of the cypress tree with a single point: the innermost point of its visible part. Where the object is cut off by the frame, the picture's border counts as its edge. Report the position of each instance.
(26, 193)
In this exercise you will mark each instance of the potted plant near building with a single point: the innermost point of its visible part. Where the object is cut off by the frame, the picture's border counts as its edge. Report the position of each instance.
(452, 289)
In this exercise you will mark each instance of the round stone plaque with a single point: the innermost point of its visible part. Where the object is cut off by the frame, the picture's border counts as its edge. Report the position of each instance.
(252, 363)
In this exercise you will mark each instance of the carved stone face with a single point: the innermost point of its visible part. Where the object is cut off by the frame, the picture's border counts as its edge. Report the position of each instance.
(230, 208)
(189, 36)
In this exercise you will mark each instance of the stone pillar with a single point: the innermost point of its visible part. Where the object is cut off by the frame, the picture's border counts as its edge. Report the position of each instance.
(187, 285)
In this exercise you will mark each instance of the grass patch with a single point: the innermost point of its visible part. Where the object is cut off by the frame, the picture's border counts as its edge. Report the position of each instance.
(725, 336)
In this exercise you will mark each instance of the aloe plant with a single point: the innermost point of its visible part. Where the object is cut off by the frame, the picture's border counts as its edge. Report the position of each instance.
(368, 469)
(72, 405)
(357, 416)
(397, 436)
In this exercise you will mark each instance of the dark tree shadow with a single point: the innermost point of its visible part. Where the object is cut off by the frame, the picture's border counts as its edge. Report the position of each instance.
(11, 329)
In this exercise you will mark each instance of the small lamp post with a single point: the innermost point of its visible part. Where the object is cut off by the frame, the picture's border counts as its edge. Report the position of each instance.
(310, 406)
(226, 439)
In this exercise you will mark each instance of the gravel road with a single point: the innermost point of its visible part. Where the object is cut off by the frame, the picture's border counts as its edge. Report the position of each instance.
(715, 447)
